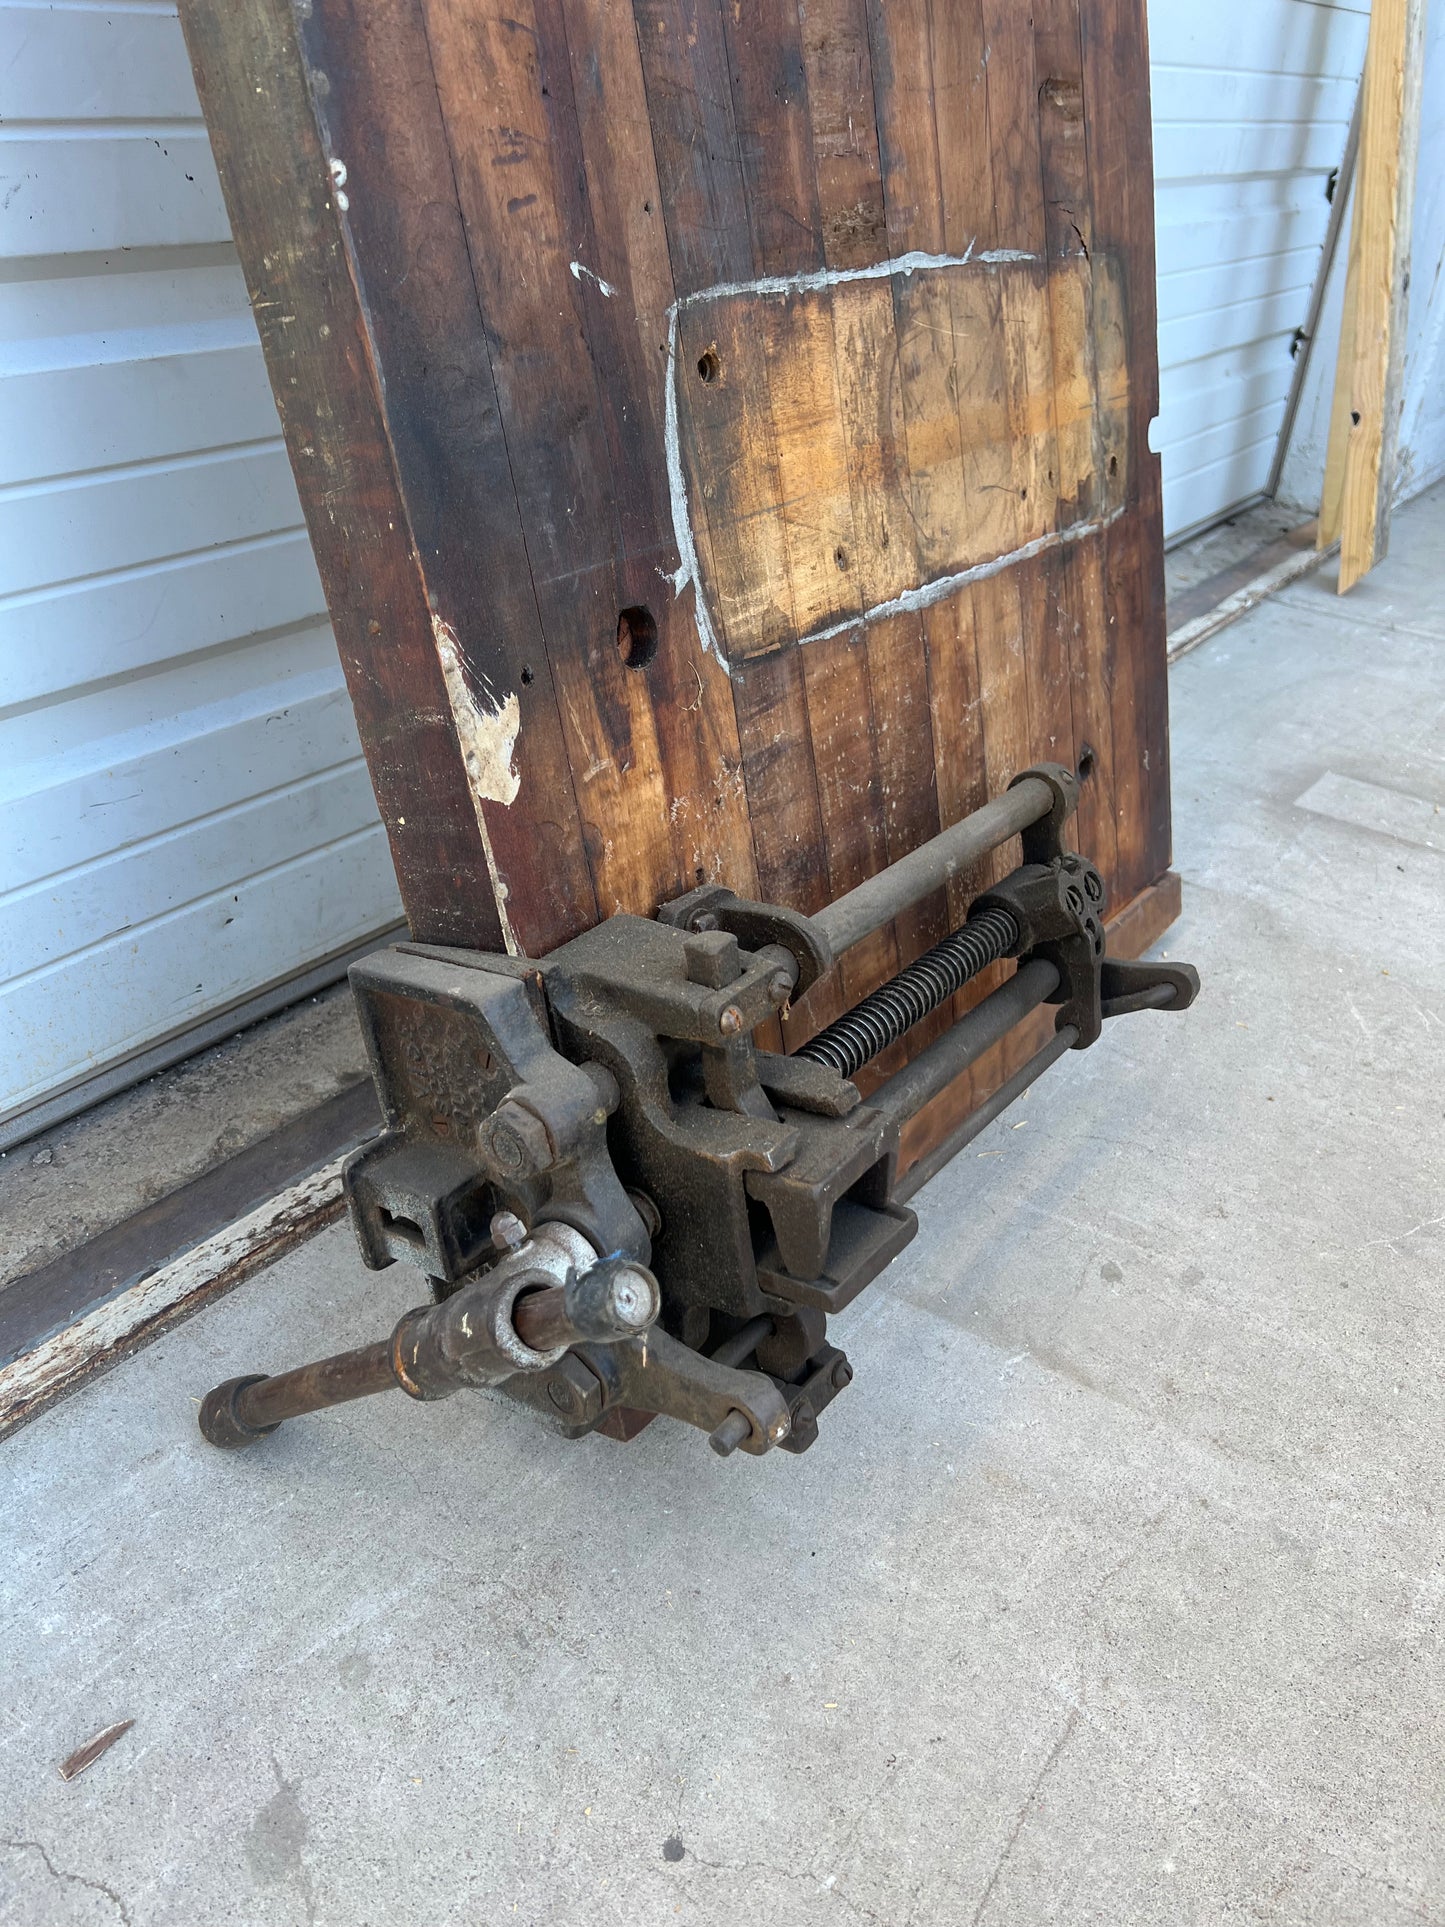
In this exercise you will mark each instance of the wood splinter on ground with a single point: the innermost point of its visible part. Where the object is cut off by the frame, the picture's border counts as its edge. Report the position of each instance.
(87, 1755)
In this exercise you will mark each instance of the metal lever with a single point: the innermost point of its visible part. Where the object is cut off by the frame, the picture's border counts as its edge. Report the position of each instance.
(516, 1319)
(1125, 987)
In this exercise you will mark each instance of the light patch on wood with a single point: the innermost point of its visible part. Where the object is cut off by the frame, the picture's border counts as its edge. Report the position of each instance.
(838, 454)
(488, 740)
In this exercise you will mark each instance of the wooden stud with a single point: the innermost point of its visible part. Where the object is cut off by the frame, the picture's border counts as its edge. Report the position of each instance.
(1360, 460)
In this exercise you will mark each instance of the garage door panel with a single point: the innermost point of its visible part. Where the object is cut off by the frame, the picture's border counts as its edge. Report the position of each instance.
(129, 729)
(1251, 107)
(99, 901)
(98, 414)
(1225, 93)
(1270, 37)
(1234, 324)
(73, 193)
(94, 524)
(189, 964)
(1219, 241)
(71, 313)
(135, 620)
(1218, 390)
(1288, 271)
(1202, 149)
(1213, 442)
(64, 64)
(1194, 497)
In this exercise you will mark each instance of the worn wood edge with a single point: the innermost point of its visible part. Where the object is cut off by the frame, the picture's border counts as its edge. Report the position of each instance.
(113, 1330)
(1140, 924)
(1291, 568)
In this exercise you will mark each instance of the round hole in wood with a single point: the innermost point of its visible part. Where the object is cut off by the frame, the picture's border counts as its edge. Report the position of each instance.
(527, 675)
(709, 365)
(1087, 762)
(637, 637)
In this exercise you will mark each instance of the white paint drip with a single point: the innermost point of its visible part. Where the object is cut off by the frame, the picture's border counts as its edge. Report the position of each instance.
(578, 271)
(915, 262)
(944, 585)
(689, 569)
(488, 739)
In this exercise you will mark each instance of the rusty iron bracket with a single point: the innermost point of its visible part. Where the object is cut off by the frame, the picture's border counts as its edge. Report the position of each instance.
(604, 1114)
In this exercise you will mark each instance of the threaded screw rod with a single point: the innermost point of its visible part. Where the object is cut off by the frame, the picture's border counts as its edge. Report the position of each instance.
(887, 1013)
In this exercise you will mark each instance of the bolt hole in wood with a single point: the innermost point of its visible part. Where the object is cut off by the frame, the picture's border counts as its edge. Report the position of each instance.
(709, 365)
(637, 637)
(528, 675)
(1087, 762)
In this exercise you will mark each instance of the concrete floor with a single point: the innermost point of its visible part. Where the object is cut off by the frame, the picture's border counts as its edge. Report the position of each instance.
(1111, 1593)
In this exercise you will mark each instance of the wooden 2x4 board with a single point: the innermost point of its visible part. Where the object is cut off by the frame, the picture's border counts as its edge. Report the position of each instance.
(723, 431)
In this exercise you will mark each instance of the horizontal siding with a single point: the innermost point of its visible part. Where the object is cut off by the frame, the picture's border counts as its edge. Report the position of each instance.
(185, 816)
(1251, 104)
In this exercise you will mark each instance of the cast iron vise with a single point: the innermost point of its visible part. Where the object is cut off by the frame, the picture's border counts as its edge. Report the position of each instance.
(622, 1205)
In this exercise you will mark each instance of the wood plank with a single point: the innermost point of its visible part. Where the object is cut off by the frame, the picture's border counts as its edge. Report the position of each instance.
(1360, 458)
(278, 185)
(1115, 91)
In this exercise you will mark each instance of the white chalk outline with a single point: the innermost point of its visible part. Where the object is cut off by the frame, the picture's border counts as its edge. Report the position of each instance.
(690, 570)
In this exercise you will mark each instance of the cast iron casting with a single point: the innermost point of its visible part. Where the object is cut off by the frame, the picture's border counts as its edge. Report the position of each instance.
(622, 1205)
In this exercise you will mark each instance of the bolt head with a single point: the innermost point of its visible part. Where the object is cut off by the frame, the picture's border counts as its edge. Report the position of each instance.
(842, 1374)
(704, 920)
(508, 1231)
(515, 1142)
(780, 989)
(731, 1021)
(562, 1395)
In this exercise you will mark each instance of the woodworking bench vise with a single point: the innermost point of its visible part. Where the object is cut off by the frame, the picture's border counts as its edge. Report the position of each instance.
(622, 1204)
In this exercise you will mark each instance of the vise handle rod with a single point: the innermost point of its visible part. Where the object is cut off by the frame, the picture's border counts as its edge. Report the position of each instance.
(481, 1335)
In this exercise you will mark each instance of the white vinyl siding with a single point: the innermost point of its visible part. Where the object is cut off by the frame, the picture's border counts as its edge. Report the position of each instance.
(185, 818)
(1252, 103)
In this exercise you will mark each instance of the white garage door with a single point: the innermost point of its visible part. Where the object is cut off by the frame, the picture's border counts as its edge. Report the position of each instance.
(1252, 103)
(185, 819)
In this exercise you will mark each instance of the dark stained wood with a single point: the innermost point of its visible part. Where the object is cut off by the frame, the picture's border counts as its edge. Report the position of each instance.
(575, 307)
(281, 198)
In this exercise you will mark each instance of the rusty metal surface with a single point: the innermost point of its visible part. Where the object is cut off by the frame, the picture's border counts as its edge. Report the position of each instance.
(623, 1207)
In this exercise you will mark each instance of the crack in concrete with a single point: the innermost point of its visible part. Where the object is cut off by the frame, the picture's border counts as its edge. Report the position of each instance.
(72, 1879)
(1023, 1813)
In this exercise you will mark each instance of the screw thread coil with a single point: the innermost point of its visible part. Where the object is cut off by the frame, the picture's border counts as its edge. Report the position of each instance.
(895, 1007)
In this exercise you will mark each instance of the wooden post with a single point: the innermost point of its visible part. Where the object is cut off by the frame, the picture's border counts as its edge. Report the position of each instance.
(1360, 462)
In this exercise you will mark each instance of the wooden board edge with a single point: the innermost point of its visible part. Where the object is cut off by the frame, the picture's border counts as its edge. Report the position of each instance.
(1132, 930)
(84, 1350)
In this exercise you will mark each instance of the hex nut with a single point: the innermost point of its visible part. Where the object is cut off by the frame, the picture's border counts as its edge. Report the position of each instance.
(515, 1142)
(574, 1392)
(712, 958)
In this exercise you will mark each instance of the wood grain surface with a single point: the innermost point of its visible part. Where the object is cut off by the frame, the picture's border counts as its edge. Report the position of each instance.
(723, 431)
